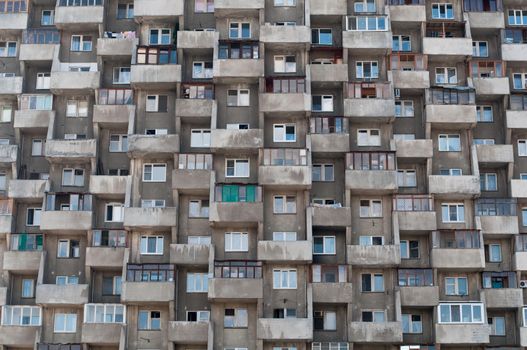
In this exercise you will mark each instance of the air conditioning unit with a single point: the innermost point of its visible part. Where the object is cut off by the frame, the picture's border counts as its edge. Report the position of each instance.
(523, 283)
(397, 93)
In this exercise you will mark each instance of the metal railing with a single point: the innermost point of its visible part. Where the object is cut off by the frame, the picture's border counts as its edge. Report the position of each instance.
(58, 346)
(13, 6)
(41, 36)
(445, 29)
(415, 277)
(367, 23)
(115, 97)
(149, 272)
(329, 125)
(237, 269)
(284, 156)
(451, 96)
(156, 55)
(371, 160)
(414, 61)
(481, 6)
(370, 90)
(496, 206)
(285, 85)
(238, 49)
(456, 239)
(235, 193)
(518, 102)
(486, 69)
(109, 238)
(26, 242)
(194, 161)
(413, 202)
(197, 91)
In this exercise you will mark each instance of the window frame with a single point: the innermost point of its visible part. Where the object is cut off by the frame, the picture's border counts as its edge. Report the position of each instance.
(284, 210)
(159, 244)
(152, 166)
(324, 244)
(82, 42)
(291, 283)
(229, 239)
(284, 126)
(457, 205)
(68, 317)
(234, 167)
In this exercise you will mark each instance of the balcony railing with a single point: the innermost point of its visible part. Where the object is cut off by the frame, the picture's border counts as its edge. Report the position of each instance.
(496, 207)
(237, 269)
(486, 69)
(41, 36)
(26, 242)
(197, 91)
(520, 243)
(405, 2)
(194, 161)
(233, 193)
(58, 346)
(413, 202)
(406, 61)
(285, 156)
(109, 238)
(451, 96)
(483, 6)
(246, 49)
(21, 315)
(40, 102)
(156, 55)
(330, 346)
(514, 36)
(374, 23)
(370, 160)
(104, 313)
(499, 279)
(329, 125)
(116, 97)
(13, 6)
(456, 239)
(150, 273)
(415, 277)
(68, 202)
(6, 206)
(518, 102)
(80, 3)
(445, 30)
(370, 90)
(285, 85)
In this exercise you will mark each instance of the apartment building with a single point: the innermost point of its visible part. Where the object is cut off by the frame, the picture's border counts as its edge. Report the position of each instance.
(263, 174)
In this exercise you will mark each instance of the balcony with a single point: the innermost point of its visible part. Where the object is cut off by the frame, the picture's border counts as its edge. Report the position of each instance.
(371, 172)
(189, 39)
(61, 295)
(374, 255)
(193, 173)
(409, 71)
(414, 149)
(518, 188)
(447, 39)
(415, 212)
(503, 298)
(14, 16)
(27, 189)
(140, 146)
(105, 257)
(189, 254)
(8, 153)
(108, 186)
(495, 154)
(285, 95)
(120, 46)
(367, 34)
(237, 204)
(329, 73)
(156, 67)
(66, 220)
(445, 186)
(285, 167)
(19, 336)
(370, 102)
(330, 135)
(39, 44)
(451, 107)
(11, 85)
(285, 36)
(197, 100)
(69, 15)
(328, 8)
(183, 332)
(148, 283)
(459, 334)
(33, 120)
(372, 332)
(497, 216)
(158, 10)
(485, 18)
(232, 7)
(84, 82)
(236, 280)
(489, 77)
(517, 112)
(228, 140)
(102, 333)
(282, 329)
(338, 292)
(519, 259)
(422, 296)
(6, 215)
(150, 218)
(114, 107)
(514, 45)
(287, 251)
(17, 261)
(457, 249)
(331, 216)
(401, 12)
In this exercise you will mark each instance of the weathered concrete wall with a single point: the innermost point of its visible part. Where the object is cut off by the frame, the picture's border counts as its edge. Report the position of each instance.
(285, 251)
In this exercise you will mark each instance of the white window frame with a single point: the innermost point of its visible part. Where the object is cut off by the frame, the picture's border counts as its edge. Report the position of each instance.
(406, 178)
(240, 319)
(366, 137)
(149, 320)
(5, 47)
(152, 166)
(117, 212)
(119, 72)
(523, 81)
(323, 167)
(161, 33)
(327, 103)
(518, 16)
(284, 64)
(289, 282)
(239, 30)
(201, 315)
(318, 30)
(43, 81)
(37, 216)
(285, 208)
(407, 109)
(372, 283)
(456, 285)
(460, 212)
(284, 236)
(82, 41)
(371, 212)
(325, 249)
(77, 177)
(144, 244)
(480, 113)
(447, 138)
(69, 319)
(76, 108)
(369, 240)
(237, 172)
(493, 328)
(280, 132)
(405, 252)
(200, 282)
(120, 145)
(484, 181)
(375, 313)
(32, 289)
(152, 203)
(203, 210)
(10, 311)
(364, 6)
(104, 310)
(359, 69)
(199, 240)
(522, 148)
(153, 105)
(204, 138)
(243, 97)
(445, 72)
(37, 147)
(204, 72)
(400, 40)
(236, 242)
(51, 16)
(476, 48)
(412, 323)
(460, 306)
(284, 3)
(493, 259)
(6, 114)
(443, 7)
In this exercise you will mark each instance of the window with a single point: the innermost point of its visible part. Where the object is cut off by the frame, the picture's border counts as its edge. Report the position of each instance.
(204, 6)
(284, 3)
(284, 279)
(451, 172)
(329, 273)
(372, 282)
(73, 177)
(200, 138)
(368, 137)
(493, 252)
(404, 109)
(524, 216)
(239, 30)
(367, 69)
(28, 288)
(114, 212)
(202, 70)
(8, 49)
(149, 320)
(284, 64)
(497, 325)
(284, 205)
(324, 245)
(409, 249)
(48, 18)
(488, 182)
(284, 313)
(519, 81)
(461, 313)
(118, 172)
(121, 75)
(76, 108)
(198, 316)
(449, 143)
(237, 126)
(33, 216)
(446, 75)
(118, 143)
(154, 172)
(238, 98)
(322, 103)
(482, 141)
(401, 43)
(65, 323)
(81, 43)
(197, 282)
(111, 285)
(198, 208)
(325, 320)
(6, 113)
(480, 49)
(152, 245)
(284, 133)
(156, 103)
(160, 36)
(517, 17)
(484, 114)
(236, 167)
(322, 172)
(456, 286)
(364, 6)
(3, 181)
(412, 324)
(37, 147)
(453, 212)
(104, 313)
(21, 315)
(79, 68)
(284, 236)
(43, 81)
(523, 176)
(406, 178)
(371, 240)
(66, 280)
(152, 203)
(235, 318)
(205, 240)
(377, 316)
(125, 11)
(236, 242)
(321, 36)
(442, 11)
(68, 248)
(522, 148)
(370, 208)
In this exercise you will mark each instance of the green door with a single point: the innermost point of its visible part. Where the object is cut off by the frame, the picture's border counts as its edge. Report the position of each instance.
(230, 193)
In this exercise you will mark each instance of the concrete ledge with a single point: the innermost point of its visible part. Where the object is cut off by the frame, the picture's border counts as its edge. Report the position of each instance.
(374, 181)
(113, 114)
(371, 332)
(425, 296)
(190, 39)
(60, 220)
(8, 153)
(107, 185)
(33, 119)
(328, 8)
(183, 179)
(289, 251)
(414, 148)
(491, 86)
(516, 119)
(62, 295)
(518, 188)
(363, 108)
(221, 139)
(402, 13)
(460, 334)
(330, 143)
(155, 76)
(116, 47)
(452, 258)
(274, 175)
(78, 16)
(37, 52)
(514, 52)
(486, 20)
(11, 85)
(502, 225)
(101, 333)
(232, 289)
(162, 9)
(284, 329)
(447, 46)
(239, 5)
(238, 69)
(519, 261)
(6, 223)
(194, 108)
(503, 298)
(22, 261)
(189, 254)
(495, 153)
(19, 336)
(417, 220)
(150, 217)
(27, 189)
(74, 81)
(153, 145)
(71, 148)
(146, 292)
(331, 217)
(374, 255)
(238, 212)
(182, 332)
(411, 79)
(329, 72)
(270, 102)
(298, 34)
(523, 336)
(104, 257)
(371, 41)
(464, 186)
(462, 115)
(332, 293)
(13, 21)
